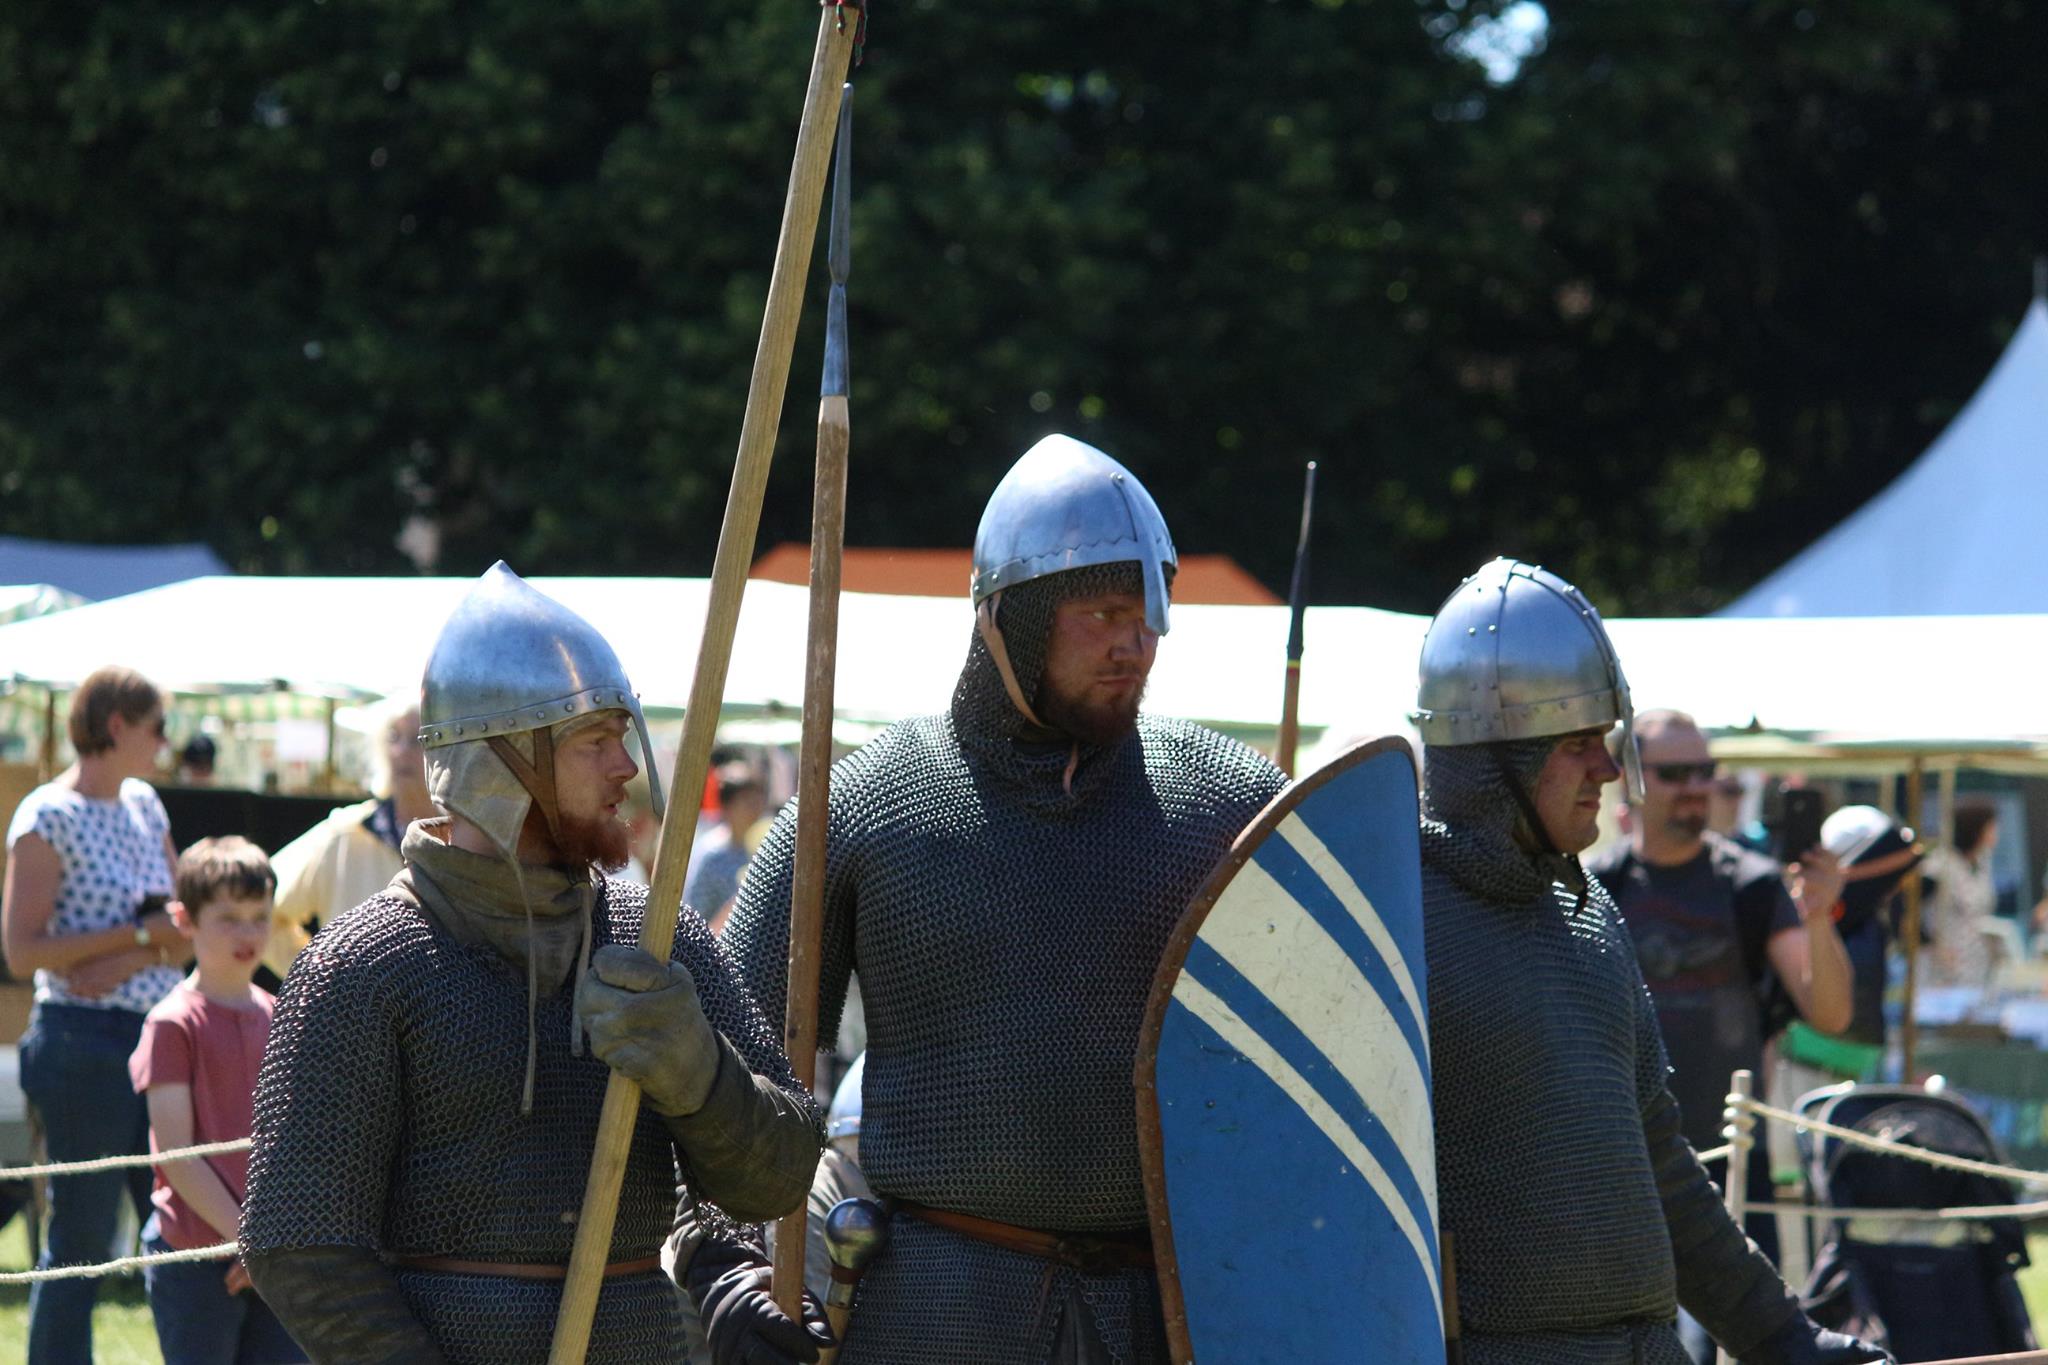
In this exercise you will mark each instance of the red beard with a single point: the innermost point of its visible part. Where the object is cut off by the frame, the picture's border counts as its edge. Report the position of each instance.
(1100, 723)
(604, 842)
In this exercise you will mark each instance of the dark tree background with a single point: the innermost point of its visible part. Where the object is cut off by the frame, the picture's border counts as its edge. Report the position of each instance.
(1657, 309)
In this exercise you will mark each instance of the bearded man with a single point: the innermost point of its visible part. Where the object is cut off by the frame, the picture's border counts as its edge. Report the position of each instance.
(428, 1106)
(1003, 878)
(1578, 1215)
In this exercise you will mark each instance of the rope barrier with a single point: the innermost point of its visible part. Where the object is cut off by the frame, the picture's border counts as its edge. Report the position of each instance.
(2023, 1212)
(124, 1266)
(115, 1163)
(1878, 1144)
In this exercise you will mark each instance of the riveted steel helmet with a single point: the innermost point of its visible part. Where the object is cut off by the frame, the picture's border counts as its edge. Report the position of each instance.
(1518, 653)
(512, 659)
(1066, 505)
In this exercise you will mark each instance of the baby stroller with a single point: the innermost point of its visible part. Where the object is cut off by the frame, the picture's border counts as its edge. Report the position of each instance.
(1929, 1290)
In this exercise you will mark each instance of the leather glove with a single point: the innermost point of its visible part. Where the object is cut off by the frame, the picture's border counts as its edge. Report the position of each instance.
(342, 1303)
(742, 1323)
(645, 1023)
(1802, 1341)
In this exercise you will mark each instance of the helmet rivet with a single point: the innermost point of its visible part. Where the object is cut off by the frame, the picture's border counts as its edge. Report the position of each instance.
(1471, 630)
(1493, 630)
(458, 729)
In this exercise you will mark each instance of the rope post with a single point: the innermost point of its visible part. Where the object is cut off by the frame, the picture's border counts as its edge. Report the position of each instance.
(1738, 1125)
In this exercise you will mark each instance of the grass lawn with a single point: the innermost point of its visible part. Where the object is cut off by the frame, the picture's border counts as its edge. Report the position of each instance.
(2034, 1281)
(122, 1333)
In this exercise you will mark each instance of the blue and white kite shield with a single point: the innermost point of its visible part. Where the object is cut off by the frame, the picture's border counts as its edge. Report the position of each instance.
(1283, 1087)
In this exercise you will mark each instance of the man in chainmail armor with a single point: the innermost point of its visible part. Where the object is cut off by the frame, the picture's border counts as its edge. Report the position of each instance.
(1003, 878)
(1578, 1217)
(429, 1099)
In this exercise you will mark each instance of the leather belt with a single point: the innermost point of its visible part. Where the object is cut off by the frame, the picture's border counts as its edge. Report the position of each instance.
(1089, 1253)
(527, 1270)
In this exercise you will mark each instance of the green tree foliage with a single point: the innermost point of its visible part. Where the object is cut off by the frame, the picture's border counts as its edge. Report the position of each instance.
(1765, 251)
(1699, 278)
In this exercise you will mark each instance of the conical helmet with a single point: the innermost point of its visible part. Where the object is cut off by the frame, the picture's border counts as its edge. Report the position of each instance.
(1518, 653)
(512, 659)
(1066, 505)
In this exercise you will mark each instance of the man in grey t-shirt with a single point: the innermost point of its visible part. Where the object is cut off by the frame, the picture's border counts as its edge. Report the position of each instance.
(1711, 921)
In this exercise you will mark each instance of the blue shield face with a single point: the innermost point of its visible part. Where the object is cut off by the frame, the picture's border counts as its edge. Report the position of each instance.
(1284, 1101)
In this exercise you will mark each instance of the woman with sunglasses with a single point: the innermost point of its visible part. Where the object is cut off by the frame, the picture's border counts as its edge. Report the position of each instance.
(89, 870)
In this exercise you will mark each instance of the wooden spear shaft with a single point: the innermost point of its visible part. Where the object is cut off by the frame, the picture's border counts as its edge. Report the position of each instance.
(814, 757)
(765, 392)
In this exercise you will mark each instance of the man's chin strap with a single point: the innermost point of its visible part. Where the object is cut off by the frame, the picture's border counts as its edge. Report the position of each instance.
(992, 639)
(538, 777)
(985, 622)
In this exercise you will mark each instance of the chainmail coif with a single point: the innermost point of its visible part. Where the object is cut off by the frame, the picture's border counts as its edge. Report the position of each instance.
(1562, 1179)
(387, 1118)
(1006, 928)
(1473, 826)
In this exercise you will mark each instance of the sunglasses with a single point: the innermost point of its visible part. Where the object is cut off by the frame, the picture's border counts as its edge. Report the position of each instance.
(1675, 774)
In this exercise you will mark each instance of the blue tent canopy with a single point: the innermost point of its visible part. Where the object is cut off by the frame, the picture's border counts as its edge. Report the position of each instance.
(98, 572)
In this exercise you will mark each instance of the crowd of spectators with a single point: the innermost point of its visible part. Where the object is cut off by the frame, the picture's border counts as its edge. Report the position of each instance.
(125, 1049)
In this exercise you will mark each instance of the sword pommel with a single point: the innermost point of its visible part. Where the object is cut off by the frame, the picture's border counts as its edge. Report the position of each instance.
(855, 1230)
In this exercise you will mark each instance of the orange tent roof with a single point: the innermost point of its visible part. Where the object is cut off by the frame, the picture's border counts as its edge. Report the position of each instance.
(1210, 579)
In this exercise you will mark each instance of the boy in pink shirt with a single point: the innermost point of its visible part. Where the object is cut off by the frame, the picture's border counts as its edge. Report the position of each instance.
(196, 1066)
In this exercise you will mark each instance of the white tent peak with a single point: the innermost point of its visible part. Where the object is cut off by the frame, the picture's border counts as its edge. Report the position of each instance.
(1962, 530)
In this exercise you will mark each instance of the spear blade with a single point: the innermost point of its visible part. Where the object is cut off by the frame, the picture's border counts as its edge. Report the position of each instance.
(1297, 607)
(839, 253)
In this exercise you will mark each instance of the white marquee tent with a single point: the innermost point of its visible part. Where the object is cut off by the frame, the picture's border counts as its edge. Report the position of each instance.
(19, 601)
(1961, 531)
(1869, 679)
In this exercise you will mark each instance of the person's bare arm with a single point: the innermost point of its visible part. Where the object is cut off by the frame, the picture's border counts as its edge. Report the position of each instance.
(170, 1118)
(98, 976)
(34, 872)
(1811, 961)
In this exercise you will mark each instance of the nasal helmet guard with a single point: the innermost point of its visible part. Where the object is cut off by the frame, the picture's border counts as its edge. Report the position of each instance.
(512, 660)
(1066, 505)
(1518, 653)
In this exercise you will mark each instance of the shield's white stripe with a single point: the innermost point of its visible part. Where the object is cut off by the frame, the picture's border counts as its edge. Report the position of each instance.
(1276, 945)
(1324, 863)
(1211, 1010)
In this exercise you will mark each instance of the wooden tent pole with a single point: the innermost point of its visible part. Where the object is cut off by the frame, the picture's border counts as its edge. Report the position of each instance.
(1909, 1047)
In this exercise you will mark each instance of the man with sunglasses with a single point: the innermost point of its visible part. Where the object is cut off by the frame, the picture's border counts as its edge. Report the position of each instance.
(1714, 927)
